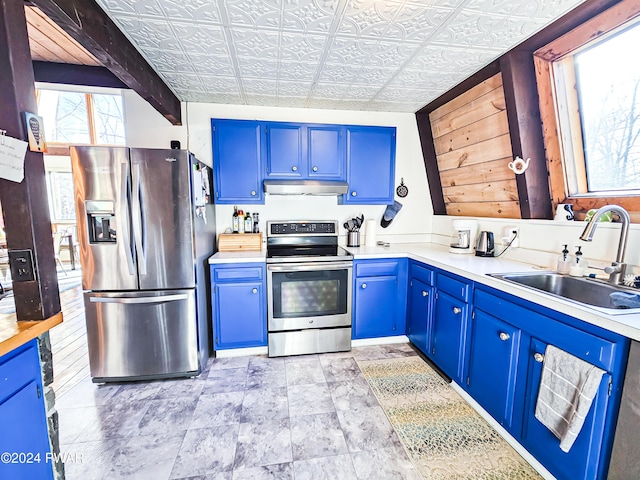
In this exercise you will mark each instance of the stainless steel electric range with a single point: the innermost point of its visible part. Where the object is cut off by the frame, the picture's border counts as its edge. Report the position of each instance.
(309, 288)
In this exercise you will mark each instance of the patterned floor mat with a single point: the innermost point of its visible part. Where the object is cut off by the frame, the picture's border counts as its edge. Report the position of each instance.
(443, 435)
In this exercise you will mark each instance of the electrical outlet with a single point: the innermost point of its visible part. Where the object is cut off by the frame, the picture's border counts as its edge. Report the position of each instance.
(508, 234)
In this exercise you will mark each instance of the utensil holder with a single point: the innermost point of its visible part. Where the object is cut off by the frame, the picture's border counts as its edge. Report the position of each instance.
(353, 239)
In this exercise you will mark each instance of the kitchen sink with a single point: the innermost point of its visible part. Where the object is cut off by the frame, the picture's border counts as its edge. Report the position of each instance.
(587, 291)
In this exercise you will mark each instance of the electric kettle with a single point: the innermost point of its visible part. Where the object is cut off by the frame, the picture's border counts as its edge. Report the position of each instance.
(485, 246)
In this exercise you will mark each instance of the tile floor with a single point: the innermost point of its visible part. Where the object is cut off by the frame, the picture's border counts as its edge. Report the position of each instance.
(303, 418)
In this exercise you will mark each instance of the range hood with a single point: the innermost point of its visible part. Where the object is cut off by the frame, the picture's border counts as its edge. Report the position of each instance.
(305, 187)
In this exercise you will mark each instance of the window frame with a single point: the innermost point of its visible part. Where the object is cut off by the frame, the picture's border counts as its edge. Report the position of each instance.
(62, 148)
(565, 154)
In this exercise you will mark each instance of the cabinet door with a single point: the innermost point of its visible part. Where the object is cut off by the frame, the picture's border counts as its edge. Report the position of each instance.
(420, 295)
(371, 153)
(375, 307)
(285, 150)
(493, 365)
(23, 431)
(326, 158)
(237, 154)
(584, 460)
(240, 319)
(448, 333)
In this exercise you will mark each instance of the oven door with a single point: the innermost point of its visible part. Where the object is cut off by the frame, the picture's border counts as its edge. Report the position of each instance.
(308, 295)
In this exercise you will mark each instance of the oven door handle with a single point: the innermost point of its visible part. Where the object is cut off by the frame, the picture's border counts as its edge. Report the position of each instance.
(298, 267)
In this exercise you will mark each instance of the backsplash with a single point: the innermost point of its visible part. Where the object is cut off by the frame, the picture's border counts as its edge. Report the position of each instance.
(541, 241)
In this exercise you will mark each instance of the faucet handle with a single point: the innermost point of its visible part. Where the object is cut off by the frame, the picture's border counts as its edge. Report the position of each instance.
(614, 268)
(616, 272)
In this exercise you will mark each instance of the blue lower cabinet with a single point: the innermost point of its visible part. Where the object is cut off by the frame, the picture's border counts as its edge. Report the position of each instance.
(24, 437)
(379, 298)
(448, 335)
(493, 372)
(420, 305)
(239, 306)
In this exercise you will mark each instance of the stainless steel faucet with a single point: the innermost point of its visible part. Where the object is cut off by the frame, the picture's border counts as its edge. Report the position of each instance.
(617, 268)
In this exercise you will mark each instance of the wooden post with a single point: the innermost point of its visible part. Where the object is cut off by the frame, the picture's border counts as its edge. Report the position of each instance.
(24, 205)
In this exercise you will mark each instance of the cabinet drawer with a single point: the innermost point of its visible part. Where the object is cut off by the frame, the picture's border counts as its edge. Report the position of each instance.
(18, 368)
(454, 287)
(377, 268)
(235, 273)
(421, 273)
(589, 347)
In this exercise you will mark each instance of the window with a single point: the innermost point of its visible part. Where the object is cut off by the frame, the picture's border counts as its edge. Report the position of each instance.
(61, 196)
(589, 86)
(81, 118)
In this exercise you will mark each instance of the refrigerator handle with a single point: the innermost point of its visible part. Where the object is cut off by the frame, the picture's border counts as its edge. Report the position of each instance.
(139, 232)
(129, 300)
(124, 217)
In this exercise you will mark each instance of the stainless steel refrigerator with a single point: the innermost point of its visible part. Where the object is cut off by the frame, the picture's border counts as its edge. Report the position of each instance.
(146, 228)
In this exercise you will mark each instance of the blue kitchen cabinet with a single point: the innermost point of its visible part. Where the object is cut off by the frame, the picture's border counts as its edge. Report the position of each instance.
(419, 305)
(371, 153)
(23, 421)
(493, 371)
(449, 325)
(589, 457)
(239, 305)
(380, 292)
(238, 150)
(284, 150)
(305, 151)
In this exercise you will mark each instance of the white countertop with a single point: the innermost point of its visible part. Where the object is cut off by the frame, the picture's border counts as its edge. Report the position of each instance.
(624, 322)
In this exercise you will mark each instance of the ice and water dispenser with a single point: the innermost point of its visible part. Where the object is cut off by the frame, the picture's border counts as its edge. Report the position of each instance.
(101, 220)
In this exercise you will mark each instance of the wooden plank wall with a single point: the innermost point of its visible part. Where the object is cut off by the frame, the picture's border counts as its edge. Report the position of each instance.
(473, 148)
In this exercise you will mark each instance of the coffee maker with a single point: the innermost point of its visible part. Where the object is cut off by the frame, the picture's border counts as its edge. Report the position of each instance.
(463, 238)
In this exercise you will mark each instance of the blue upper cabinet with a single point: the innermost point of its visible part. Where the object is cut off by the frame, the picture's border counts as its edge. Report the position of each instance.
(284, 150)
(325, 159)
(371, 153)
(302, 151)
(237, 161)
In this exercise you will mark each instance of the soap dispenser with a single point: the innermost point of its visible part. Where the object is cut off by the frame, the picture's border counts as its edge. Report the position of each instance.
(578, 265)
(563, 261)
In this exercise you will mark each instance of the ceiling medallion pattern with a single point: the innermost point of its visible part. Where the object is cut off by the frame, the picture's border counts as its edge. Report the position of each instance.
(375, 55)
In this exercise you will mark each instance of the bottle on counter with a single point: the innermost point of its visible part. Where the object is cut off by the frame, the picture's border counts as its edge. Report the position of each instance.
(256, 228)
(248, 223)
(240, 221)
(578, 266)
(563, 261)
(235, 220)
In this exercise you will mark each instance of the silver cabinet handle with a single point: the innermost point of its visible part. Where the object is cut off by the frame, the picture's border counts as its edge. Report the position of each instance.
(538, 357)
(353, 194)
(456, 310)
(253, 193)
(254, 290)
(364, 285)
(294, 168)
(315, 169)
(130, 300)
(425, 293)
(504, 336)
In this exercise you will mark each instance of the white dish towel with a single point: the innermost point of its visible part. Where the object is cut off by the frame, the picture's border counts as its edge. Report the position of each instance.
(567, 388)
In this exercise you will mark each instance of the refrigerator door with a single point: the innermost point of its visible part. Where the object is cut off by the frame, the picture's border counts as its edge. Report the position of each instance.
(102, 186)
(138, 335)
(162, 216)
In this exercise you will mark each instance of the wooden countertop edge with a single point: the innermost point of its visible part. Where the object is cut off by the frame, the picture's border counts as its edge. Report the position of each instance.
(26, 331)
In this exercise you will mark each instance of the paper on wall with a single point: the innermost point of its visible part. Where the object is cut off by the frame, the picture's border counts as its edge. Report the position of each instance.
(12, 153)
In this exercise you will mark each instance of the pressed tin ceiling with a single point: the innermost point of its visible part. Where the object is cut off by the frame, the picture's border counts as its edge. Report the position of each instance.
(376, 55)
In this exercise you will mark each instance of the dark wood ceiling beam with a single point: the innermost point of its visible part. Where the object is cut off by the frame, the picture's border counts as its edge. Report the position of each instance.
(90, 26)
(68, 74)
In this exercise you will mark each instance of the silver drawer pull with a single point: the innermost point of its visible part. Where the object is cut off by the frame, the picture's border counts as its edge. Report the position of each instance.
(353, 194)
(364, 285)
(425, 293)
(504, 336)
(538, 357)
(456, 310)
(255, 290)
(315, 169)
(253, 193)
(294, 168)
